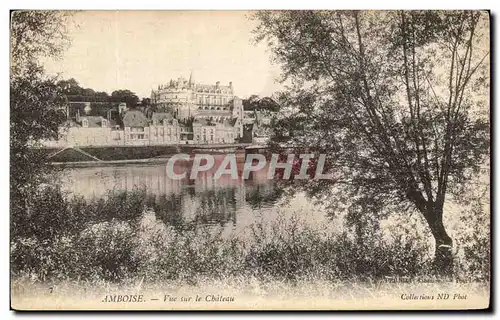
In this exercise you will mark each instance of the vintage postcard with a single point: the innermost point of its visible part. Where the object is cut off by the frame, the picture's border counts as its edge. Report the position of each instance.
(257, 160)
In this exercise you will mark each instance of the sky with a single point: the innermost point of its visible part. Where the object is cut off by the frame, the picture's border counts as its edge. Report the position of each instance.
(138, 50)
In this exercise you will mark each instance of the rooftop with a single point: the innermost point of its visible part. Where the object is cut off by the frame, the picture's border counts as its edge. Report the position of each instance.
(94, 122)
(135, 118)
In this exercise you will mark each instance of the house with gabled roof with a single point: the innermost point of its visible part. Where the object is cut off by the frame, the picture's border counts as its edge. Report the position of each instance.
(164, 128)
(136, 128)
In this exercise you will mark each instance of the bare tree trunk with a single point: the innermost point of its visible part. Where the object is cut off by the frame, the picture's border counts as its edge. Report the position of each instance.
(443, 258)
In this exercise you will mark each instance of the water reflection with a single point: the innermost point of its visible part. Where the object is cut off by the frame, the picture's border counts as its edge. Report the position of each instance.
(205, 200)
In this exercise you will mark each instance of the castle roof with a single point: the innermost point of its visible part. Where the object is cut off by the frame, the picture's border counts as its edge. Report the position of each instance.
(182, 83)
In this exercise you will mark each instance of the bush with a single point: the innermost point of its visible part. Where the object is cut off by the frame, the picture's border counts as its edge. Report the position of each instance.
(62, 239)
(293, 252)
(473, 245)
(48, 215)
(106, 251)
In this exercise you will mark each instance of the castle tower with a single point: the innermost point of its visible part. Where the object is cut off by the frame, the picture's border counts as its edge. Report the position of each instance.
(191, 82)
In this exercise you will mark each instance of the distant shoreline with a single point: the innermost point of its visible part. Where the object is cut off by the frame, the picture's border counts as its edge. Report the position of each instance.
(111, 155)
(106, 163)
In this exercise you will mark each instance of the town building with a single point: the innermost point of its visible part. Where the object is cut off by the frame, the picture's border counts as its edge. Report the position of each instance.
(90, 131)
(164, 129)
(136, 128)
(161, 129)
(214, 132)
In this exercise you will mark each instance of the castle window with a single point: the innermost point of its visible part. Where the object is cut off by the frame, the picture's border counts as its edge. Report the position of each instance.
(104, 123)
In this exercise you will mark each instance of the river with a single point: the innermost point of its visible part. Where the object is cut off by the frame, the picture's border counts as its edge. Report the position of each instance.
(234, 204)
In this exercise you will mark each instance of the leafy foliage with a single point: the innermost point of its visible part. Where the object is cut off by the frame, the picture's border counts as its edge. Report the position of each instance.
(74, 92)
(36, 34)
(35, 101)
(397, 100)
(257, 103)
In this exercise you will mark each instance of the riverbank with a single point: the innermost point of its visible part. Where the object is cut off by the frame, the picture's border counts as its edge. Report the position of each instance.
(240, 158)
(72, 154)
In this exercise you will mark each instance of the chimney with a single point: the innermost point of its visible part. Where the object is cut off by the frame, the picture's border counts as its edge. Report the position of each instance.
(230, 84)
(217, 84)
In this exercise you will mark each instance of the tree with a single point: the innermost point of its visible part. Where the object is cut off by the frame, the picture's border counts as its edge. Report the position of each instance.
(88, 92)
(397, 100)
(254, 102)
(126, 96)
(70, 87)
(36, 102)
(102, 96)
(36, 34)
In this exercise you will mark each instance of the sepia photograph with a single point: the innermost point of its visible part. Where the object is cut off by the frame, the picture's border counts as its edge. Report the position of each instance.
(250, 160)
